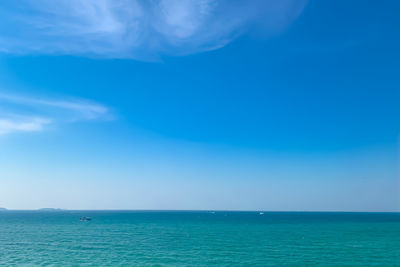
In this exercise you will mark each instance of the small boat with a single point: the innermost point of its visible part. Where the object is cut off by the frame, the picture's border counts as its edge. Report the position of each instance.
(85, 219)
(261, 213)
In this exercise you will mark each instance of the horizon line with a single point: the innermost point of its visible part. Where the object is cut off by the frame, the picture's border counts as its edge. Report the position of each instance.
(198, 210)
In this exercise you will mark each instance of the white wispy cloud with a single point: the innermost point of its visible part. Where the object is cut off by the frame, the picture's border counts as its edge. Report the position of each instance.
(138, 29)
(32, 114)
(25, 125)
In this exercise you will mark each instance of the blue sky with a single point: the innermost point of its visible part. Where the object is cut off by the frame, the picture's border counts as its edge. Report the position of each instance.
(289, 105)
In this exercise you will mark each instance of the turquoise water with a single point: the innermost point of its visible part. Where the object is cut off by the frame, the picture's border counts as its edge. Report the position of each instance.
(135, 238)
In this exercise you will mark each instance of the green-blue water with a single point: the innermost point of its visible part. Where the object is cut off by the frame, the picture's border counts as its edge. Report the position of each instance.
(198, 238)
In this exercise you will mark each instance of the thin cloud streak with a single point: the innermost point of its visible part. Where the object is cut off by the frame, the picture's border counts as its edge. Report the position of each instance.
(138, 29)
(87, 110)
(33, 124)
(29, 114)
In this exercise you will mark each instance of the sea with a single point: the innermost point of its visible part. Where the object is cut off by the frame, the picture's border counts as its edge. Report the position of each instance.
(198, 238)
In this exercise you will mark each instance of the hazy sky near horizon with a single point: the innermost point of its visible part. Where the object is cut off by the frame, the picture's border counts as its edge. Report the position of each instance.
(211, 104)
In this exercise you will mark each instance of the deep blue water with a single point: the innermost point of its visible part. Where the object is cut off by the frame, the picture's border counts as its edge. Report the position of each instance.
(198, 238)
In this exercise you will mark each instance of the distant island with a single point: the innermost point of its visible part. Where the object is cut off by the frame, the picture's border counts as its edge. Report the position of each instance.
(50, 209)
(3, 209)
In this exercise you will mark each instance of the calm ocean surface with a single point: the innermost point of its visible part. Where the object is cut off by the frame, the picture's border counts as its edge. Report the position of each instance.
(147, 238)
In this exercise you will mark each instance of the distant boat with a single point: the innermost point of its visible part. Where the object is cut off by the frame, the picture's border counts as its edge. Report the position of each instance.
(85, 219)
(261, 213)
